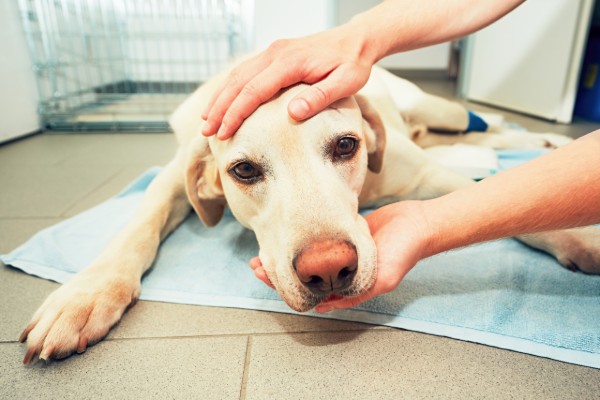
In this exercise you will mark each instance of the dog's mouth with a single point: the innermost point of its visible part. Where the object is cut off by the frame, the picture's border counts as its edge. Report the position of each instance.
(332, 297)
(309, 300)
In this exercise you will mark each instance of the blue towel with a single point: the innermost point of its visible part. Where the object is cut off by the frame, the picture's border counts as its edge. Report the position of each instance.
(501, 293)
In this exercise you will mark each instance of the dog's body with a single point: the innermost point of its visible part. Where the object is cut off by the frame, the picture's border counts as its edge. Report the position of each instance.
(299, 187)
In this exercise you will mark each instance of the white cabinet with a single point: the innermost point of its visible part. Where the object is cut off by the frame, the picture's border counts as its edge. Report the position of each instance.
(529, 61)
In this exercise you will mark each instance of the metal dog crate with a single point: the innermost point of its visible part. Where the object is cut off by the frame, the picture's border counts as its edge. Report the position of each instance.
(126, 64)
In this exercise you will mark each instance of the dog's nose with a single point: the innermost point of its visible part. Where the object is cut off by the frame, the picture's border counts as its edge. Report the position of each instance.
(327, 266)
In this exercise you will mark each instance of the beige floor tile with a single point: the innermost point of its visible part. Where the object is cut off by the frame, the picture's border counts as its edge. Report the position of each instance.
(407, 365)
(107, 189)
(20, 296)
(43, 149)
(124, 149)
(36, 191)
(154, 319)
(181, 368)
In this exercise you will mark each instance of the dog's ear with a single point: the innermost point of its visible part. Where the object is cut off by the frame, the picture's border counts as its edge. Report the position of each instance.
(374, 133)
(203, 183)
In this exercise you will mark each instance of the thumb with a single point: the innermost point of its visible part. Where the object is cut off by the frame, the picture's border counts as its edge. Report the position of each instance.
(311, 101)
(317, 97)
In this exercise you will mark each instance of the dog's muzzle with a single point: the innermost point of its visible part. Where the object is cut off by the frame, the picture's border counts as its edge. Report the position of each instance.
(327, 266)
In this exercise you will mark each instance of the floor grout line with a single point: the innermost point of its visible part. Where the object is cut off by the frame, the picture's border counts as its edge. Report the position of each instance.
(254, 334)
(235, 335)
(30, 217)
(245, 372)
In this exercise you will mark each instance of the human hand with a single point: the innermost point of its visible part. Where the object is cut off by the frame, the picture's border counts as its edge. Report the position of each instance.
(336, 63)
(401, 234)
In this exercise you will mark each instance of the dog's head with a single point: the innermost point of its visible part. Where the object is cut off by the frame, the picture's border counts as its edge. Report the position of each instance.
(296, 185)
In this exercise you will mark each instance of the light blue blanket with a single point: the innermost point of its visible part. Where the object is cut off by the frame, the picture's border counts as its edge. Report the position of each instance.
(501, 294)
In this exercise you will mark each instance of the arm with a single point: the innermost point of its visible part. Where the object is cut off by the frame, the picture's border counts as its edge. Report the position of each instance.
(337, 62)
(558, 190)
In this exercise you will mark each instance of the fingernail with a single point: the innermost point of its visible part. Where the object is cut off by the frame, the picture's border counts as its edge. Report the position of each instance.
(299, 108)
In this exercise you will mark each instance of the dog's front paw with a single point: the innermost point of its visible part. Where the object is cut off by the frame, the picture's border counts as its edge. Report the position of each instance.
(78, 314)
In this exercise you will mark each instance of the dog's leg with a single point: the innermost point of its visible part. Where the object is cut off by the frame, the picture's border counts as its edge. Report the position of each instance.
(523, 140)
(425, 113)
(420, 108)
(82, 311)
(575, 249)
(502, 139)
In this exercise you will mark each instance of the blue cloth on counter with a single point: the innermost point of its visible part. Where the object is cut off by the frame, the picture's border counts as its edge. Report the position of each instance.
(501, 293)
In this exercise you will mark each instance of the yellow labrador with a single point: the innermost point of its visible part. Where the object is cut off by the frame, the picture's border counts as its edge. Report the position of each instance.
(298, 186)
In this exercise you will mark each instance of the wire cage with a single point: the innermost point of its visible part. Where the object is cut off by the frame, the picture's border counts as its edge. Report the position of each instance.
(126, 64)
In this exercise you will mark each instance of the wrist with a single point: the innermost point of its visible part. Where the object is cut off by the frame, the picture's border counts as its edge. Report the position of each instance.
(358, 31)
(429, 233)
(445, 227)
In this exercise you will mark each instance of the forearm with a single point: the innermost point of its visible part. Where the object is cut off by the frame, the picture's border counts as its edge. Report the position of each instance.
(558, 190)
(400, 25)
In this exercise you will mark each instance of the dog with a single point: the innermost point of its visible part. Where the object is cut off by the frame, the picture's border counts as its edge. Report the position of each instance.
(298, 186)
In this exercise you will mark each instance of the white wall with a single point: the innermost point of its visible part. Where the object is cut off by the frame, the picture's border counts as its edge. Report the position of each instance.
(18, 93)
(429, 58)
(277, 19)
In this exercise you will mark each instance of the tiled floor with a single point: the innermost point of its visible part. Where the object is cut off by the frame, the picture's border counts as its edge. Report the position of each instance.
(176, 351)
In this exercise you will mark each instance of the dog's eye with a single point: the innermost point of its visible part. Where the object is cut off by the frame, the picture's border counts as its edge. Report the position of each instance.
(246, 172)
(345, 147)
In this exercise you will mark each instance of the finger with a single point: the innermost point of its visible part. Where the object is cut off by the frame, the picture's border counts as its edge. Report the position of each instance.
(221, 99)
(255, 263)
(224, 95)
(341, 82)
(256, 91)
(262, 275)
(260, 272)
